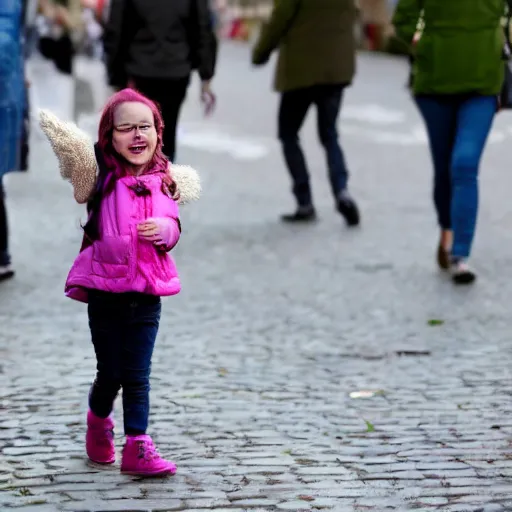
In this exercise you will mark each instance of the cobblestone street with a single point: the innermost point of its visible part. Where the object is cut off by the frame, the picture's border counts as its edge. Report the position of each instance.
(260, 358)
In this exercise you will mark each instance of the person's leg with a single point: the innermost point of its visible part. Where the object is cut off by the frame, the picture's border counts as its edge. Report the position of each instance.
(169, 95)
(5, 259)
(292, 112)
(139, 455)
(440, 116)
(328, 102)
(137, 350)
(106, 322)
(106, 319)
(64, 54)
(474, 122)
(25, 137)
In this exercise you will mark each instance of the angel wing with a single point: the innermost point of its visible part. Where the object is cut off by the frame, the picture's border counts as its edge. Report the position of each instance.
(77, 161)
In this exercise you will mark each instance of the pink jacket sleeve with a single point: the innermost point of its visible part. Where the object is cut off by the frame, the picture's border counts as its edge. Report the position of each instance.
(170, 231)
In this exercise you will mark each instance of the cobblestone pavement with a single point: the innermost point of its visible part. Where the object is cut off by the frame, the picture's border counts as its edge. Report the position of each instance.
(276, 327)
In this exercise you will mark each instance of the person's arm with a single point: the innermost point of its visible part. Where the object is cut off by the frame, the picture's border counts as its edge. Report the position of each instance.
(405, 19)
(70, 18)
(274, 31)
(114, 45)
(74, 19)
(203, 40)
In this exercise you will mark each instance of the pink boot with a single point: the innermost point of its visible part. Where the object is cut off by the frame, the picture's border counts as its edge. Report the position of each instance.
(99, 440)
(141, 458)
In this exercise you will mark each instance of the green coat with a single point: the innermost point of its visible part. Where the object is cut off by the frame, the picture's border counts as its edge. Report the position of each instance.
(316, 43)
(460, 50)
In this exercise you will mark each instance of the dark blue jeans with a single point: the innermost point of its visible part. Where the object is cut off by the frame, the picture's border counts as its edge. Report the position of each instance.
(292, 113)
(5, 258)
(123, 328)
(457, 126)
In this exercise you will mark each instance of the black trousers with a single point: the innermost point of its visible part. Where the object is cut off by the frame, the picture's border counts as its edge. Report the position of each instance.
(5, 258)
(293, 109)
(169, 95)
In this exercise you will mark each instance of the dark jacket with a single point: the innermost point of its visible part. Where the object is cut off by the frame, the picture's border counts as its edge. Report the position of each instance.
(164, 39)
(316, 43)
(460, 50)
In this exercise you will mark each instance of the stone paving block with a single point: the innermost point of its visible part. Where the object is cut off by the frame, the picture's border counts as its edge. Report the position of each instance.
(38, 507)
(463, 508)
(207, 502)
(249, 470)
(399, 475)
(297, 506)
(256, 502)
(439, 500)
(123, 506)
(323, 471)
(218, 510)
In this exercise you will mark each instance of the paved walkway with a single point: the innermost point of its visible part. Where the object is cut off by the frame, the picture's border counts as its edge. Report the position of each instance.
(277, 327)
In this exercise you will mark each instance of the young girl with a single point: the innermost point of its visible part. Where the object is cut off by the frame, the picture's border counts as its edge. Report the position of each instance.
(123, 267)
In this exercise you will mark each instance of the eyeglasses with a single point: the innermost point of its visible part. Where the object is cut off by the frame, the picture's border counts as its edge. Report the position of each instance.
(128, 128)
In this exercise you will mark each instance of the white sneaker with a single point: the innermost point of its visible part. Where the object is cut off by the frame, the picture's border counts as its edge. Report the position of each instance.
(6, 272)
(462, 273)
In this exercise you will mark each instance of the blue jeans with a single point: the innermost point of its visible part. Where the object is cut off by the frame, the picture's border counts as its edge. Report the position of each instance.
(292, 113)
(457, 126)
(123, 328)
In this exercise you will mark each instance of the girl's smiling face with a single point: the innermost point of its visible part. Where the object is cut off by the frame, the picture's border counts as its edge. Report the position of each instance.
(134, 136)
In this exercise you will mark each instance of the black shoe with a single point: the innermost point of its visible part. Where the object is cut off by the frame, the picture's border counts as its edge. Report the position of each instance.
(302, 214)
(6, 272)
(348, 208)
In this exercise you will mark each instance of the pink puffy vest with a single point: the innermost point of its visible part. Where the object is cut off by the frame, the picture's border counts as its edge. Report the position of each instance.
(120, 261)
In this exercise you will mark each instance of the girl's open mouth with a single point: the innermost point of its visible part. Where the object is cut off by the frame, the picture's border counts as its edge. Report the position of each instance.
(137, 149)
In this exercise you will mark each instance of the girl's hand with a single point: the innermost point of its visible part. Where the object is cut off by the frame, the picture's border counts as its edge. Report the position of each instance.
(164, 233)
(150, 231)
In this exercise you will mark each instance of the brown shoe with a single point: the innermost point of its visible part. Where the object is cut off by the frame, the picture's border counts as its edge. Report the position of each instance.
(443, 258)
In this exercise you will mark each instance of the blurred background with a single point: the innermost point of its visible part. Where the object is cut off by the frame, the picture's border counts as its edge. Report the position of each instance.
(67, 36)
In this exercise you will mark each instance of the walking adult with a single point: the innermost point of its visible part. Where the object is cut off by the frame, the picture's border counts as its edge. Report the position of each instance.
(458, 72)
(316, 44)
(12, 109)
(154, 45)
(62, 30)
